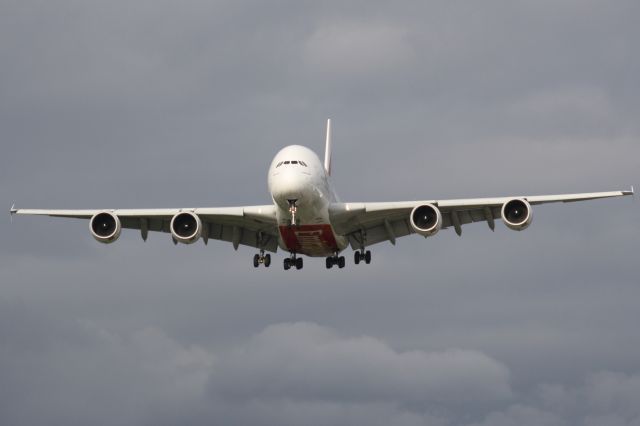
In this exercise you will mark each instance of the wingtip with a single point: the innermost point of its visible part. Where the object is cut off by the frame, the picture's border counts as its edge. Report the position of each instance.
(629, 192)
(12, 211)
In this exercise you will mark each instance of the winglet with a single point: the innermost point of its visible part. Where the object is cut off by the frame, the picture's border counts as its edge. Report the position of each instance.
(12, 211)
(630, 192)
(327, 149)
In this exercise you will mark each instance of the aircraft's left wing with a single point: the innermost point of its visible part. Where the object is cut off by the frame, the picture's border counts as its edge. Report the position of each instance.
(370, 223)
(254, 226)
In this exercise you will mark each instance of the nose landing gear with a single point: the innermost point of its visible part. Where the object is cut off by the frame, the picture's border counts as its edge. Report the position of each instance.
(262, 258)
(293, 209)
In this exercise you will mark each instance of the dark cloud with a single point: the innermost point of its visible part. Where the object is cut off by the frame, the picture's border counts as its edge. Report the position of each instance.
(307, 362)
(154, 104)
(285, 374)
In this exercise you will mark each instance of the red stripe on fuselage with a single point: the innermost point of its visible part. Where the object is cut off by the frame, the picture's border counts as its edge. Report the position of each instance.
(312, 240)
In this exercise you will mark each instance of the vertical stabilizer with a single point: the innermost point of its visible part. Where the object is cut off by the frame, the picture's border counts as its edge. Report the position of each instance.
(327, 149)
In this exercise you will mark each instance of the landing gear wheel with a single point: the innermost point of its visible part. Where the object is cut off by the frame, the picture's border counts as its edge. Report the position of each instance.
(356, 257)
(298, 263)
(287, 264)
(256, 260)
(267, 260)
(329, 262)
(367, 257)
(341, 262)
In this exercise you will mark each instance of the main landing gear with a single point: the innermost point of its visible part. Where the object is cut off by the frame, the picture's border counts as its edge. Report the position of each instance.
(292, 261)
(362, 255)
(335, 260)
(358, 256)
(262, 258)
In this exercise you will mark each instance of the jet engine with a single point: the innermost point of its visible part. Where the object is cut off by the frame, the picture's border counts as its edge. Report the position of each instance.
(516, 214)
(105, 227)
(186, 227)
(426, 220)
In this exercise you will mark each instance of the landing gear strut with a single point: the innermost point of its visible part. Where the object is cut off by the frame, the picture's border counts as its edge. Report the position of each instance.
(362, 255)
(293, 209)
(262, 258)
(292, 261)
(335, 260)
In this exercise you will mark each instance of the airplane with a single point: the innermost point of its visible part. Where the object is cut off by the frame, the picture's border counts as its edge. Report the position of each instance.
(307, 218)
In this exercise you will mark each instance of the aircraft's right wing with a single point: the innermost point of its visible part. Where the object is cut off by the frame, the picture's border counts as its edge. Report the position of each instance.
(370, 223)
(253, 226)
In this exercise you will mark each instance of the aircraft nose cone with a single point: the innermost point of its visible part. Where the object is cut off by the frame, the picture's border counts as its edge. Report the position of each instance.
(290, 190)
(289, 186)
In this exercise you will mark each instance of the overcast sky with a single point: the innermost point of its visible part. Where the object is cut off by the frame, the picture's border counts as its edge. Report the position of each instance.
(173, 104)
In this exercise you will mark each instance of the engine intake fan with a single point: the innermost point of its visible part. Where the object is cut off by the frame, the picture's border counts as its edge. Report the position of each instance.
(426, 220)
(516, 214)
(186, 227)
(105, 227)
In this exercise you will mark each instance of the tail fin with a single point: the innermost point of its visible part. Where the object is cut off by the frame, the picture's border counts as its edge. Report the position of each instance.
(327, 149)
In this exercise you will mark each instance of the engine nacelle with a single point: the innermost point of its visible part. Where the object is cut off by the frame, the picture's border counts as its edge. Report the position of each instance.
(426, 220)
(186, 227)
(105, 227)
(517, 214)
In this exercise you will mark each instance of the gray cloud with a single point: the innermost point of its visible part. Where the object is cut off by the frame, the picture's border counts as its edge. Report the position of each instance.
(307, 362)
(285, 374)
(357, 48)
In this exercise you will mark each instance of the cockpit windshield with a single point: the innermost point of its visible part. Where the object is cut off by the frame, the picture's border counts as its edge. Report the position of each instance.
(292, 162)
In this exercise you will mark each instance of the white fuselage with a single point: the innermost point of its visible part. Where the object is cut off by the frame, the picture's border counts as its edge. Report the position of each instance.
(296, 173)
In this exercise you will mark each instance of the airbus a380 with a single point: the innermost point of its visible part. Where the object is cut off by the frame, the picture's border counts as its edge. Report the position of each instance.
(307, 218)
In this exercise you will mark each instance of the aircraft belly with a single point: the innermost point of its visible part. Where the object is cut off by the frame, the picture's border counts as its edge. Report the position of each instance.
(311, 240)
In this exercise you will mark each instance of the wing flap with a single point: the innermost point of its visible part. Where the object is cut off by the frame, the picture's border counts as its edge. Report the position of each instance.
(379, 232)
